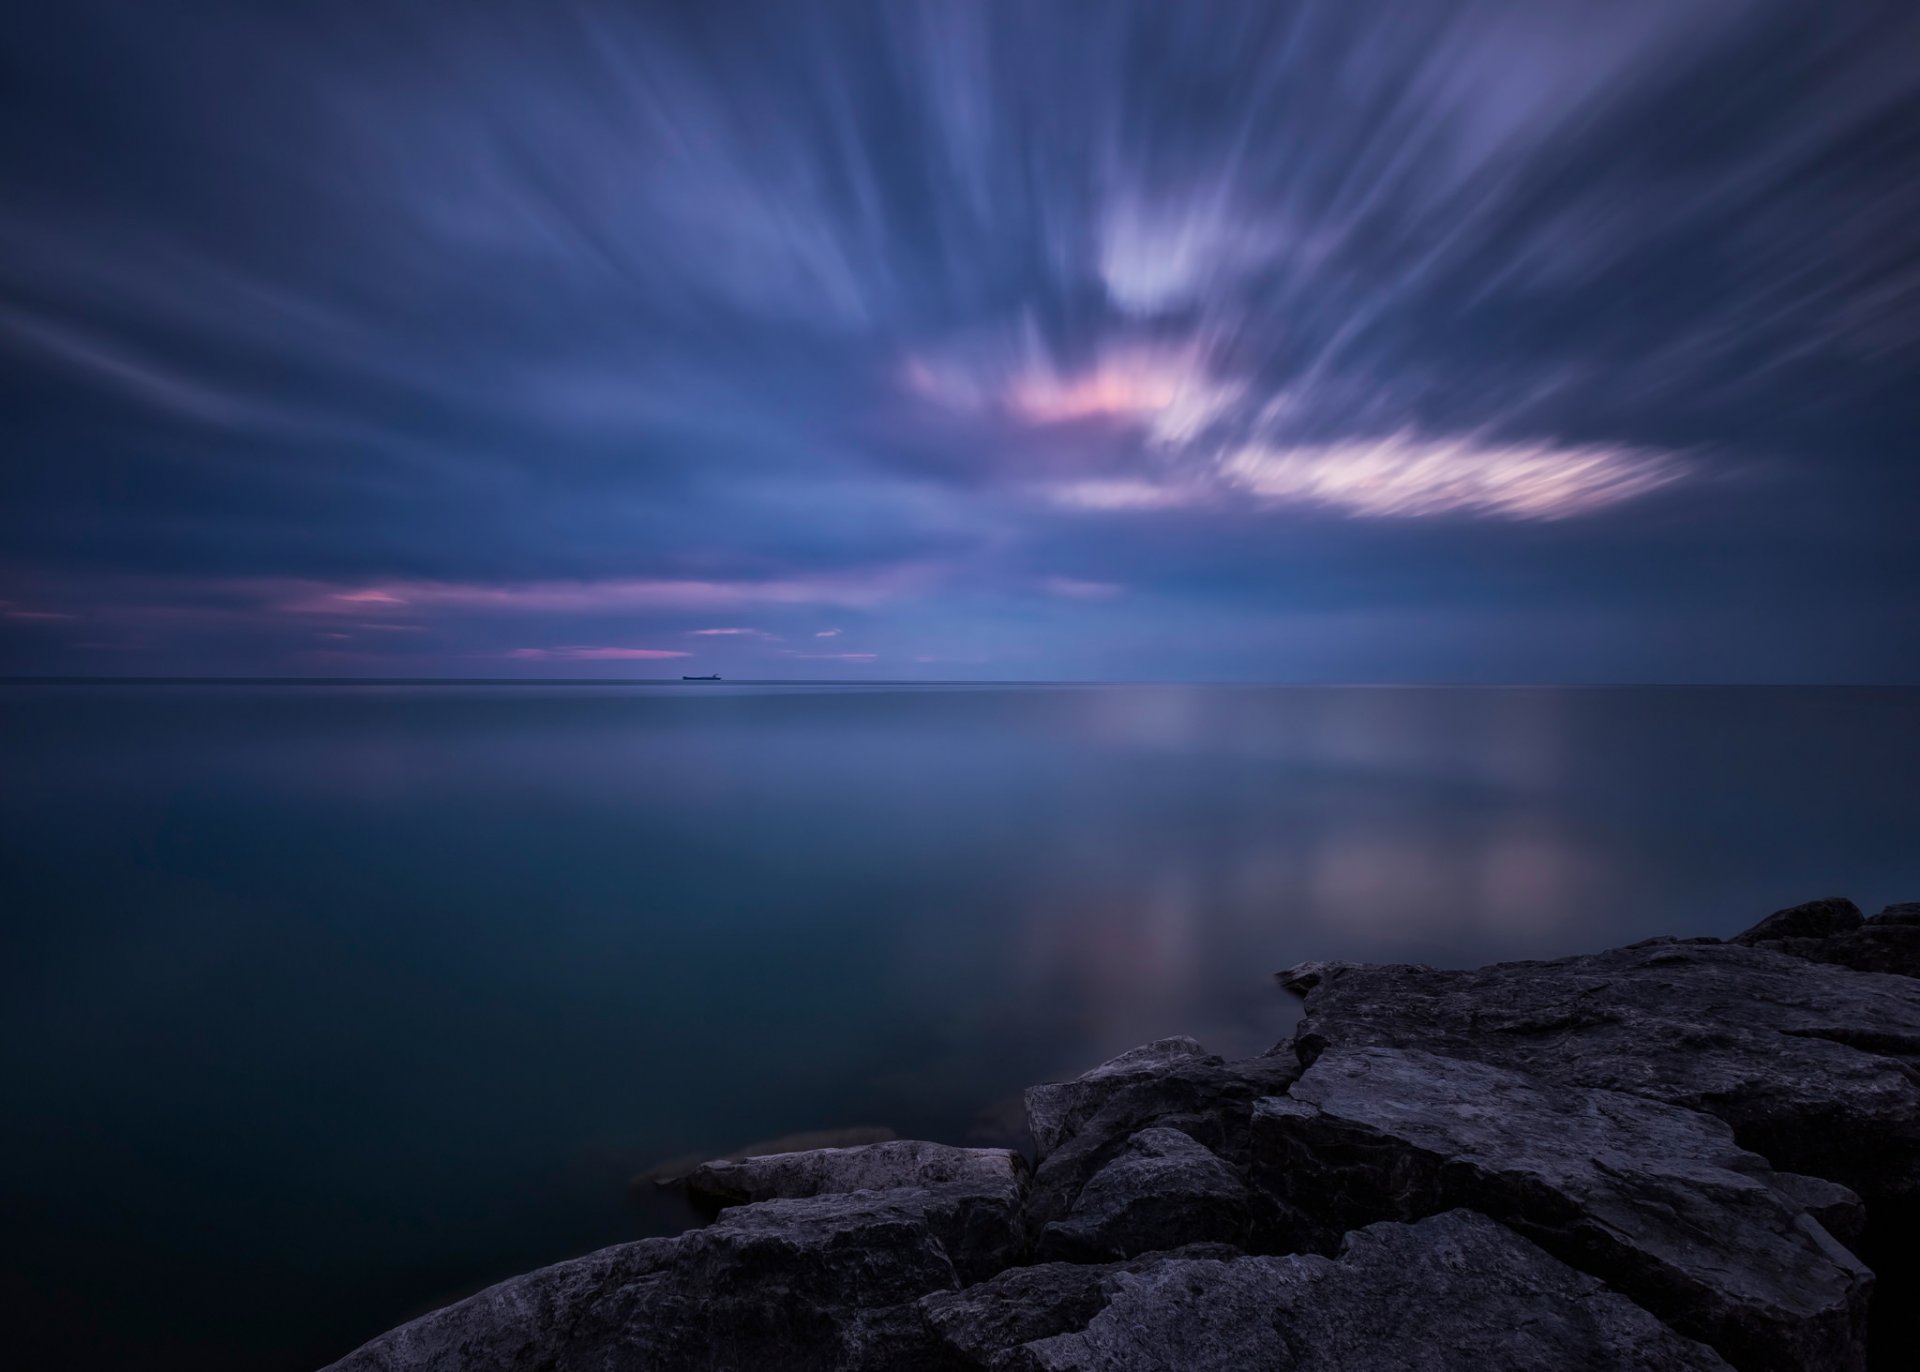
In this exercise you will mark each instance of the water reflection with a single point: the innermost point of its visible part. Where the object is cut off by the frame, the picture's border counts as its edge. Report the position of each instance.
(343, 1000)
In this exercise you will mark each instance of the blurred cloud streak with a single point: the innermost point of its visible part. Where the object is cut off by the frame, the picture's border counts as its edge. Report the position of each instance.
(621, 313)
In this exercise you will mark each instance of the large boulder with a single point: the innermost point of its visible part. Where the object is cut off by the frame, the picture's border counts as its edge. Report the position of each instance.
(1056, 1110)
(1905, 912)
(1622, 1187)
(1813, 919)
(1601, 1119)
(1833, 931)
(1161, 1191)
(1453, 1293)
(1816, 1067)
(1083, 1125)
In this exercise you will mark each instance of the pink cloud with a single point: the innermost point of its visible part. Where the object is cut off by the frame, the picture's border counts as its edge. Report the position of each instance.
(1169, 392)
(588, 653)
(590, 597)
(834, 657)
(1405, 475)
(828, 633)
(729, 633)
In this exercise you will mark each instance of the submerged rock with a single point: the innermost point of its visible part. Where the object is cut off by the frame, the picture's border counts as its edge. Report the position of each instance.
(1620, 1186)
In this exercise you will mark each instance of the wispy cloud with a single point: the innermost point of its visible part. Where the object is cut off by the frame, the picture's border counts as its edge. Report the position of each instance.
(891, 311)
(1403, 476)
(591, 653)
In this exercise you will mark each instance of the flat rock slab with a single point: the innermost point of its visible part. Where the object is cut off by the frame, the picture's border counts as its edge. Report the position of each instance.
(874, 1166)
(1656, 1200)
(1162, 1191)
(1453, 1293)
(1817, 1067)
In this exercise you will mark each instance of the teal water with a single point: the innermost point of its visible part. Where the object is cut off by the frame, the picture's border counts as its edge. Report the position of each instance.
(323, 1004)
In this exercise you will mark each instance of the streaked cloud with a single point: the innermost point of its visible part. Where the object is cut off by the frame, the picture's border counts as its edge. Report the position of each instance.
(1403, 476)
(609, 325)
(585, 653)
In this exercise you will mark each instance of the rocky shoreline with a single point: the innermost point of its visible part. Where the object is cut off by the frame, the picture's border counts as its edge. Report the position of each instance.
(1684, 1154)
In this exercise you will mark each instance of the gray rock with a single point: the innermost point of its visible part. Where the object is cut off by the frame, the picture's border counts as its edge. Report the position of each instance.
(1815, 1067)
(874, 1166)
(1455, 1293)
(1302, 977)
(984, 1324)
(1090, 1122)
(1833, 931)
(825, 1282)
(1057, 1109)
(1893, 948)
(1655, 1200)
(1572, 1099)
(1839, 1211)
(671, 1170)
(1905, 912)
(1814, 919)
(1161, 1191)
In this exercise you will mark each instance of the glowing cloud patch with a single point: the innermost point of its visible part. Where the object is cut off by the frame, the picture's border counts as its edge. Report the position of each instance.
(1405, 476)
(1167, 391)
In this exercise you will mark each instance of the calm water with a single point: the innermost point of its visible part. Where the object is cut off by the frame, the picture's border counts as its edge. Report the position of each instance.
(324, 1004)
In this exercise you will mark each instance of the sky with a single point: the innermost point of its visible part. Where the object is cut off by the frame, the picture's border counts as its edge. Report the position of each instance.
(1498, 340)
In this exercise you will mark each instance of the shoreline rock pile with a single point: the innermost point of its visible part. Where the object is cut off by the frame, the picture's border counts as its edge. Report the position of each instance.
(1685, 1154)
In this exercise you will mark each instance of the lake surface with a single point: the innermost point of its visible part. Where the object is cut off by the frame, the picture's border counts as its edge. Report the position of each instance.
(324, 1004)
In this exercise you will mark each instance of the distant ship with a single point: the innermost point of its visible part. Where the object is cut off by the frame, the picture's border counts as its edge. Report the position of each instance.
(714, 677)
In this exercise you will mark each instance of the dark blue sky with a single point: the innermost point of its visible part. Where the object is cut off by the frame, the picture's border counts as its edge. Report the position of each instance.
(1506, 340)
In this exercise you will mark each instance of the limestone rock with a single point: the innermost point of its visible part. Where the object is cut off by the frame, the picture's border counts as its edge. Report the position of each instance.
(1816, 1067)
(1454, 1293)
(1656, 1200)
(1161, 1191)
(1088, 1122)
(875, 1166)
(1814, 919)
(1832, 931)
(1057, 1109)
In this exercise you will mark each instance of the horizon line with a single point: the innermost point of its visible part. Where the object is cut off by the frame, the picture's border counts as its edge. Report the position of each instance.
(290, 680)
